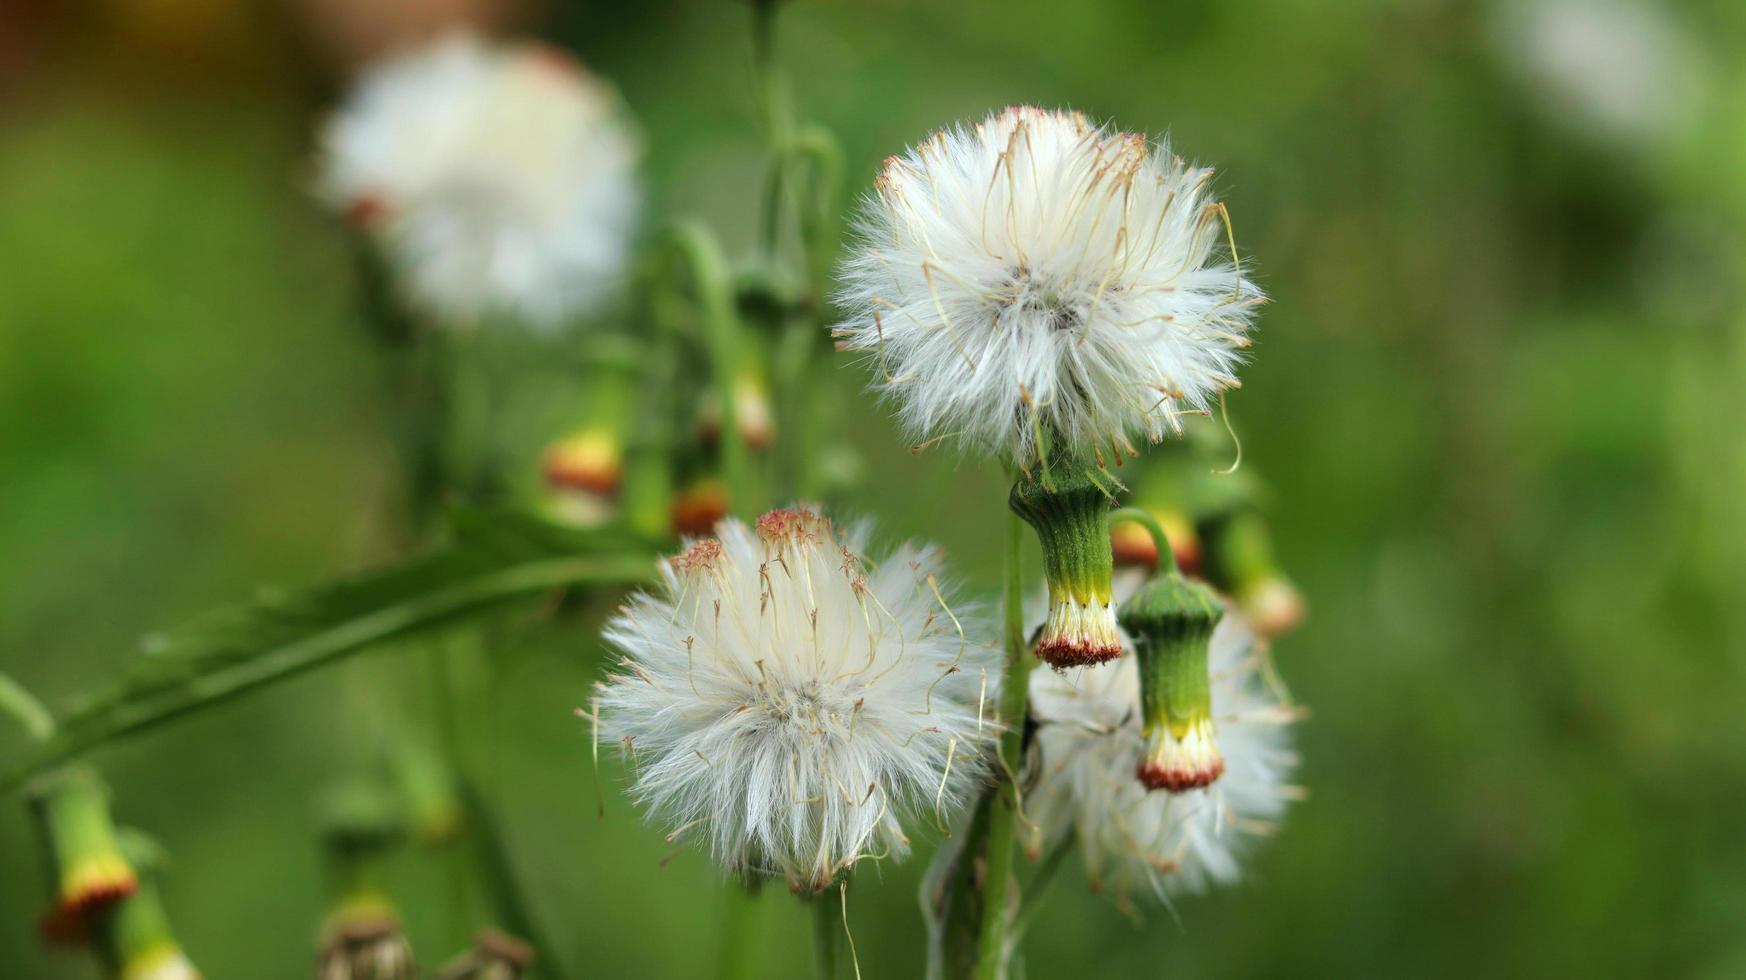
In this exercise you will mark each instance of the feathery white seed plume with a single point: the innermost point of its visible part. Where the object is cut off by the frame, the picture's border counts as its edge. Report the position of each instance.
(793, 702)
(1090, 743)
(1035, 273)
(499, 179)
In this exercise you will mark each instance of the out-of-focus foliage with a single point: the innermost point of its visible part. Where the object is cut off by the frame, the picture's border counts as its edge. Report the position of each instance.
(1498, 395)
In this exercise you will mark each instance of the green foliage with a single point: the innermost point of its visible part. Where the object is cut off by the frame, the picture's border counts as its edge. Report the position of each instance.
(493, 558)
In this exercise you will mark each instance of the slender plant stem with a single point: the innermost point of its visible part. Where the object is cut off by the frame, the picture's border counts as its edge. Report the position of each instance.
(18, 702)
(1002, 819)
(827, 930)
(458, 868)
(739, 928)
(1144, 518)
(703, 257)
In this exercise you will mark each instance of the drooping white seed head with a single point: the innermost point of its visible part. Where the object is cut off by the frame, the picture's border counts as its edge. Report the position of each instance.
(499, 179)
(792, 701)
(1090, 743)
(1035, 277)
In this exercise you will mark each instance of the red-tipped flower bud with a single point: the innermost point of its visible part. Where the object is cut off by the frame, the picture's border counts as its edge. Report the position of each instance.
(1070, 513)
(72, 810)
(1171, 621)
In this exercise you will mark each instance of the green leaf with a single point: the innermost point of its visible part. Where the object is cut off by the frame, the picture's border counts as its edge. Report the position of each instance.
(492, 558)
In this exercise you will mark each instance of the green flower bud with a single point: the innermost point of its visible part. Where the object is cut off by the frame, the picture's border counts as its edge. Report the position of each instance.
(72, 811)
(1070, 513)
(1171, 621)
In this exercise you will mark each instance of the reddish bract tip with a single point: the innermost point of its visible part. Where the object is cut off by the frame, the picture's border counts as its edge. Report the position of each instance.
(1178, 780)
(697, 511)
(1062, 654)
(565, 473)
(366, 211)
(67, 923)
(1132, 546)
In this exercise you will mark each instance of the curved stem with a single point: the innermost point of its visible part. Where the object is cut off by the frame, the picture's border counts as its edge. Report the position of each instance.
(17, 701)
(721, 327)
(1003, 816)
(1144, 518)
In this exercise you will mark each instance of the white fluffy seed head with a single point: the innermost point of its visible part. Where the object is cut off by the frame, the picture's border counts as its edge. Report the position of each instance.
(792, 701)
(1090, 743)
(498, 179)
(1037, 281)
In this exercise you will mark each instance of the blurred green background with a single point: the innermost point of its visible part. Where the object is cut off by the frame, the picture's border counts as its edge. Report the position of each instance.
(1500, 394)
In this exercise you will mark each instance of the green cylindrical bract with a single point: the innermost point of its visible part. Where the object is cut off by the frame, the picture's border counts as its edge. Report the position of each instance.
(72, 808)
(1171, 621)
(1070, 514)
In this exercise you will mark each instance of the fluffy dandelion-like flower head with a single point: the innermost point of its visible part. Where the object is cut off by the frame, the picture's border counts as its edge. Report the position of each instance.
(497, 178)
(1035, 280)
(1091, 741)
(792, 700)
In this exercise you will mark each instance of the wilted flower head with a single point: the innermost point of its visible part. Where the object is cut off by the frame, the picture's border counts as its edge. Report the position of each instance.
(1035, 280)
(497, 178)
(1090, 741)
(494, 956)
(364, 948)
(792, 699)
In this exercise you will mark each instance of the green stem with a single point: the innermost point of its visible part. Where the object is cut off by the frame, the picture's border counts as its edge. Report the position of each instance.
(18, 702)
(739, 929)
(458, 870)
(721, 327)
(1144, 518)
(1002, 819)
(827, 926)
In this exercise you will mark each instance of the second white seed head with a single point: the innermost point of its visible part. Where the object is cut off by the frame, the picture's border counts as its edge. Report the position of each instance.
(791, 701)
(497, 178)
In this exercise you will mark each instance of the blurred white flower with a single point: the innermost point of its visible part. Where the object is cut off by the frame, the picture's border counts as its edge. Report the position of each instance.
(792, 700)
(1090, 745)
(1619, 69)
(497, 178)
(1035, 276)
